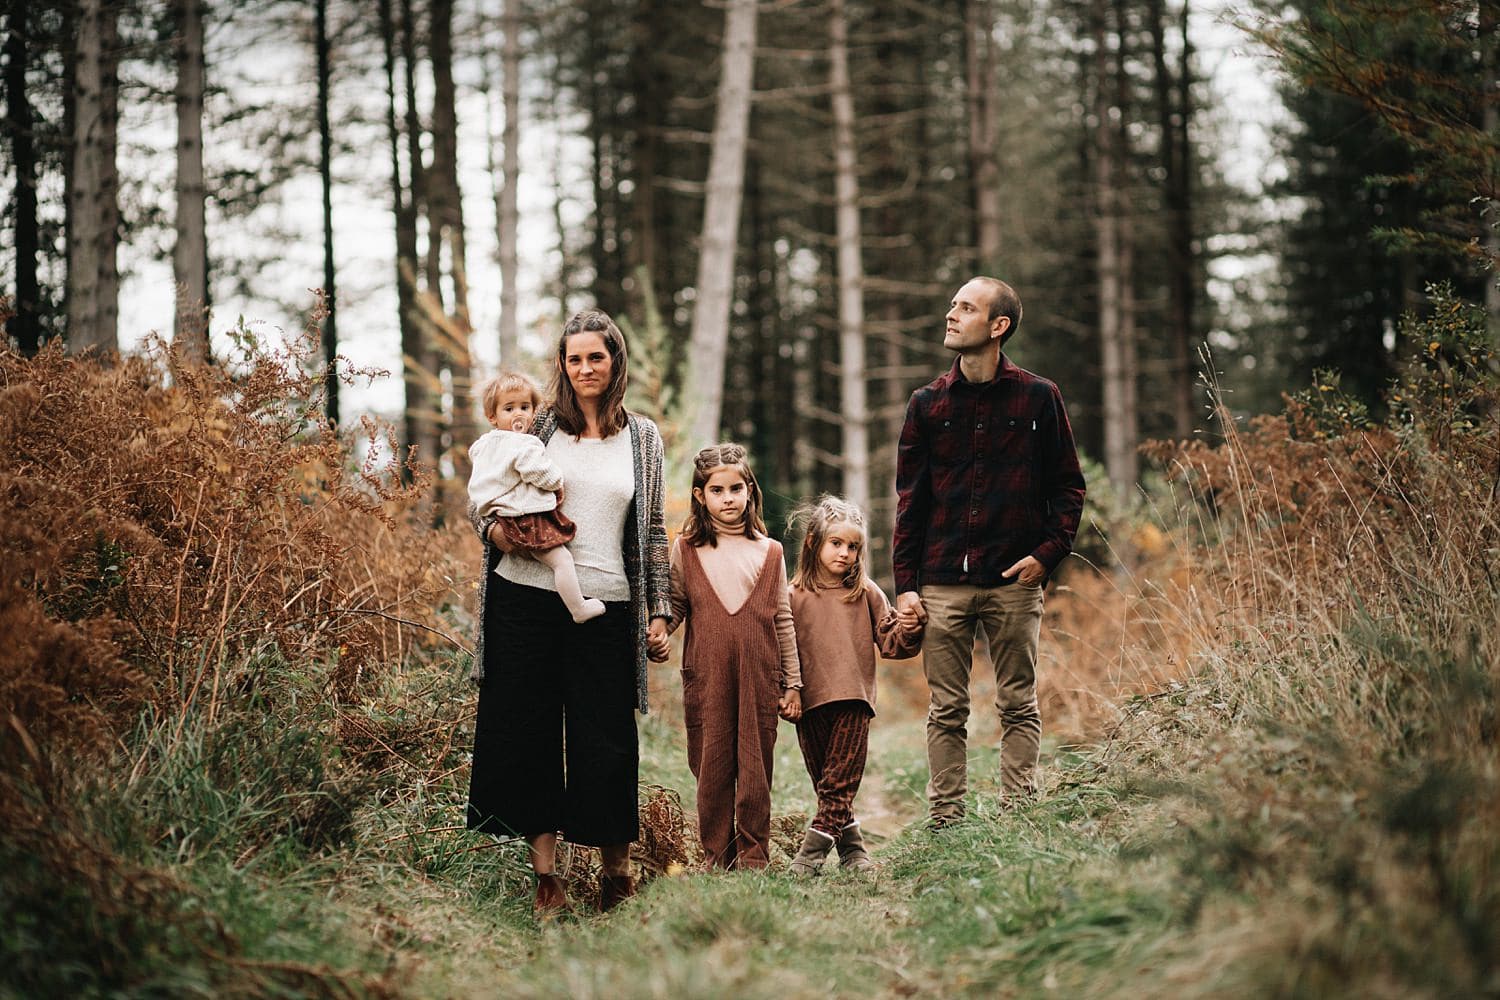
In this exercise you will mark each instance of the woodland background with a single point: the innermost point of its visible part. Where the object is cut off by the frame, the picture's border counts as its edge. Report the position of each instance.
(778, 202)
(234, 719)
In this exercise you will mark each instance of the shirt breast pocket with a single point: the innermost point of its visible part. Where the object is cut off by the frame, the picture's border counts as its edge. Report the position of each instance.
(952, 445)
(1017, 439)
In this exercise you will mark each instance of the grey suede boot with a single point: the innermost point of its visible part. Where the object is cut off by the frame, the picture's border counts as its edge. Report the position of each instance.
(815, 848)
(852, 853)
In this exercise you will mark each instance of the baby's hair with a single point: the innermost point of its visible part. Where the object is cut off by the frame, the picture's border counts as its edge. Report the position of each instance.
(507, 381)
(698, 529)
(819, 517)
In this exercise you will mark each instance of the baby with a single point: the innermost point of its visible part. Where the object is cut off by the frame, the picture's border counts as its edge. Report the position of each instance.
(513, 479)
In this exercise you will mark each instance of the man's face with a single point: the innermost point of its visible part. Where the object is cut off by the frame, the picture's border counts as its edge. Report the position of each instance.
(968, 327)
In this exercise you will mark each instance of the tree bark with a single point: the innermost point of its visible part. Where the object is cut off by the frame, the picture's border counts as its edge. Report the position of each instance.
(709, 339)
(854, 409)
(25, 325)
(1181, 265)
(94, 214)
(510, 215)
(416, 421)
(325, 174)
(1119, 443)
(446, 219)
(190, 254)
(1489, 22)
(984, 169)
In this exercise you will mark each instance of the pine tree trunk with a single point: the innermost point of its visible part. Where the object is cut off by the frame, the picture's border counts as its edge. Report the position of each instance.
(1118, 443)
(510, 215)
(1489, 23)
(709, 340)
(1129, 418)
(190, 254)
(854, 409)
(416, 414)
(1172, 122)
(984, 169)
(94, 214)
(25, 325)
(325, 174)
(445, 215)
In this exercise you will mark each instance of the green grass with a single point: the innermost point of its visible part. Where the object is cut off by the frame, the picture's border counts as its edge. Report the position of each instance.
(1218, 845)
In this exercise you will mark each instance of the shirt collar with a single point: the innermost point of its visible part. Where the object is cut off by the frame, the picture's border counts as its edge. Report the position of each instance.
(1006, 370)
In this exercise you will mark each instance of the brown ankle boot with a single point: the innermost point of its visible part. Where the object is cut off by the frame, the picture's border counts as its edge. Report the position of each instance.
(551, 896)
(852, 853)
(815, 847)
(614, 890)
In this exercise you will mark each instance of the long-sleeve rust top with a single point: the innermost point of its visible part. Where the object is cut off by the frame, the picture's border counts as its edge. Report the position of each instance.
(837, 641)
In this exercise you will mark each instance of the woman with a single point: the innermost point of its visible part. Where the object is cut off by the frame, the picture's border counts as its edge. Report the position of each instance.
(555, 745)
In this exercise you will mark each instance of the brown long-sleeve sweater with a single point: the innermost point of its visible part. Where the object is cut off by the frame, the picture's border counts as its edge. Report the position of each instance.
(837, 641)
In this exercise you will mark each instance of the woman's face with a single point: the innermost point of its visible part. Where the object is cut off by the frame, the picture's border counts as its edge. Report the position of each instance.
(587, 364)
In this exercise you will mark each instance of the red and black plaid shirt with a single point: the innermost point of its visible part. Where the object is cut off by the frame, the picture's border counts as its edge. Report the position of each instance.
(986, 474)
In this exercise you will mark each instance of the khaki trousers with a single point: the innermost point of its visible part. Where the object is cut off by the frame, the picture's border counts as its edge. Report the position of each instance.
(1011, 620)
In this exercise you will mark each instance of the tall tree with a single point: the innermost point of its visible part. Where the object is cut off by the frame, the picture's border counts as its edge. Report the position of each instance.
(94, 208)
(721, 219)
(1489, 58)
(25, 324)
(405, 216)
(853, 408)
(418, 373)
(509, 211)
(1116, 321)
(190, 254)
(1417, 69)
(446, 233)
(323, 48)
(1174, 110)
(981, 98)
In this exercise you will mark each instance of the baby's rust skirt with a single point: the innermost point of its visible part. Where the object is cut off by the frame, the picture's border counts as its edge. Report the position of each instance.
(537, 532)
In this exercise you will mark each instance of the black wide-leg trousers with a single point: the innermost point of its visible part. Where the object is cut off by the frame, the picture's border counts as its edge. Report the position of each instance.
(555, 743)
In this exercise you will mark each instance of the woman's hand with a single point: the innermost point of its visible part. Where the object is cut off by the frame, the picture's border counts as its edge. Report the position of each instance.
(658, 646)
(790, 707)
(498, 540)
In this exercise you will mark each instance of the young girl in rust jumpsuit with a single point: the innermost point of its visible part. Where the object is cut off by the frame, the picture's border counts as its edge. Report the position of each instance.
(739, 660)
(842, 617)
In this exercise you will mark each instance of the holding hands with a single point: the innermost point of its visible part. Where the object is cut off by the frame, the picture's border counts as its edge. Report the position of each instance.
(658, 646)
(911, 614)
(790, 705)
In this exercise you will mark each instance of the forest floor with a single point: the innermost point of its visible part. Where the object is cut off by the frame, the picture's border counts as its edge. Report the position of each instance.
(1005, 903)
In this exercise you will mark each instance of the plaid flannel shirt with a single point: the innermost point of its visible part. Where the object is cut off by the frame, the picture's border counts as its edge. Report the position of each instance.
(986, 474)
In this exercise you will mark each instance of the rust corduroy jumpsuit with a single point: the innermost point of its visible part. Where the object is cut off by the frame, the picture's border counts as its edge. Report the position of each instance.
(731, 685)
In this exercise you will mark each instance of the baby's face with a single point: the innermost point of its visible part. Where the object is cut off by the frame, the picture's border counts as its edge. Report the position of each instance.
(513, 411)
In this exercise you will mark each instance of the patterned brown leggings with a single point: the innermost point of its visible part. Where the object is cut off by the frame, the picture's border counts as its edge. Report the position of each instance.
(835, 739)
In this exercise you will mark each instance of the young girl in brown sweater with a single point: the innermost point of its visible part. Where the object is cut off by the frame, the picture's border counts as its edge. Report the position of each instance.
(739, 660)
(841, 618)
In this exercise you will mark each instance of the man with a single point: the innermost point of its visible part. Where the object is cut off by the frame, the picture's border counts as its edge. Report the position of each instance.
(988, 499)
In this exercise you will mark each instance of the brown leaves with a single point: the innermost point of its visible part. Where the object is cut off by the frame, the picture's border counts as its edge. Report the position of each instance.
(159, 520)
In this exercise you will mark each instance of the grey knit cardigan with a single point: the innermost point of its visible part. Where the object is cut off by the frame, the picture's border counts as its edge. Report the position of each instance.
(645, 544)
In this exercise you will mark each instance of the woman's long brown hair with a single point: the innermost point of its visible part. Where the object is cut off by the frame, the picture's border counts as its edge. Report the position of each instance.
(570, 417)
(698, 529)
